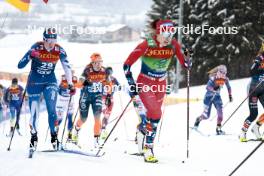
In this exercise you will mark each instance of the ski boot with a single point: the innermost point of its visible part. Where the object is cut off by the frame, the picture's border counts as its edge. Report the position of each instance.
(75, 134)
(197, 122)
(33, 141)
(243, 136)
(255, 131)
(54, 141)
(10, 132)
(149, 155)
(17, 129)
(97, 144)
(69, 136)
(219, 131)
(104, 134)
(33, 144)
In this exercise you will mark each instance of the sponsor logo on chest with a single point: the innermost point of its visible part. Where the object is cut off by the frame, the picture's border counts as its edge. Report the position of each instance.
(14, 90)
(96, 77)
(220, 81)
(159, 52)
(52, 56)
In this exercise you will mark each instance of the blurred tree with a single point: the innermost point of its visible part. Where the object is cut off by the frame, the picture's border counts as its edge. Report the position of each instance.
(234, 50)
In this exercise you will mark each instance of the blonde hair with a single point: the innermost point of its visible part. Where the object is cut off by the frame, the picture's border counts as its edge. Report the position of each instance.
(261, 50)
(213, 71)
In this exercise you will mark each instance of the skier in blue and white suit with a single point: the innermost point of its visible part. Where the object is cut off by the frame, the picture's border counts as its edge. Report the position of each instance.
(44, 56)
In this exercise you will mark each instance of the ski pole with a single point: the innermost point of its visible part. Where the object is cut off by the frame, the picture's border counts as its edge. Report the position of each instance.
(122, 106)
(121, 115)
(188, 111)
(111, 121)
(250, 154)
(66, 119)
(74, 119)
(249, 94)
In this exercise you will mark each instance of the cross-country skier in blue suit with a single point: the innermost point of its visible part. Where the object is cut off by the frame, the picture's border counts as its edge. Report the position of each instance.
(13, 97)
(44, 56)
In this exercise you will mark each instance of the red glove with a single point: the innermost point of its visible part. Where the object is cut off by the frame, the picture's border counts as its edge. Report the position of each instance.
(34, 54)
(72, 90)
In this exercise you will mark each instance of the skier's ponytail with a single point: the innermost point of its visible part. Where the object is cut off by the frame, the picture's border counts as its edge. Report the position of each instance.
(221, 68)
(261, 50)
(213, 71)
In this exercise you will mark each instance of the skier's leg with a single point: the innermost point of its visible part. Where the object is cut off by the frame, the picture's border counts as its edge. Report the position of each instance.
(70, 114)
(255, 128)
(18, 116)
(97, 110)
(152, 101)
(106, 112)
(207, 110)
(50, 95)
(34, 101)
(61, 104)
(253, 109)
(219, 108)
(84, 104)
(69, 118)
(12, 119)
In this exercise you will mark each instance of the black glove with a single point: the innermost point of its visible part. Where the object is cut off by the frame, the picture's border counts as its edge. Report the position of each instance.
(133, 90)
(72, 89)
(216, 88)
(108, 100)
(86, 83)
(230, 98)
(188, 63)
(188, 52)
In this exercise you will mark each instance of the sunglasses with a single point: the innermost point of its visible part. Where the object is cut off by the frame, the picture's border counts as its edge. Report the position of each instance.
(223, 72)
(167, 35)
(50, 40)
(98, 61)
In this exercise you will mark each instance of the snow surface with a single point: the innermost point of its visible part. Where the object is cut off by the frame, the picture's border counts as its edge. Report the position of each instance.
(209, 156)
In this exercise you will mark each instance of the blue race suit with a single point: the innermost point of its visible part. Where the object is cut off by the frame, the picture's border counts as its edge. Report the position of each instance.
(13, 96)
(213, 96)
(42, 80)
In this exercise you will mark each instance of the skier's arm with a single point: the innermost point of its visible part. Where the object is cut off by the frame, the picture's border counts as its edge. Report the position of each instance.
(83, 78)
(228, 86)
(27, 57)
(229, 90)
(180, 56)
(7, 96)
(21, 91)
(66, 66)
(211, 86)
(255, 68)
(132, 58)
(117, 85)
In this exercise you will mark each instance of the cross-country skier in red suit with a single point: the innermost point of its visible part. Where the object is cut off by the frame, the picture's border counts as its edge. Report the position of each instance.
(156, 53)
